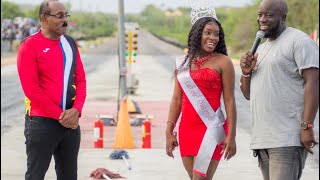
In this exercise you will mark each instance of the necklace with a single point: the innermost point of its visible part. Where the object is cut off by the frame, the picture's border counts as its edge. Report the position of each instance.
(199, 62)
(264, 55)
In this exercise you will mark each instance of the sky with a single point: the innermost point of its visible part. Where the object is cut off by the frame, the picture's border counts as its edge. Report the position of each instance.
(132, 6)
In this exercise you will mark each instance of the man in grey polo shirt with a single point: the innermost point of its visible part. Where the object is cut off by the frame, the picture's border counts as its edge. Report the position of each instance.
(282, 83)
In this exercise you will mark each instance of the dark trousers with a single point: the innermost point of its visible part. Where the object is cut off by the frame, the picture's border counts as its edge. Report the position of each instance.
(46, 137)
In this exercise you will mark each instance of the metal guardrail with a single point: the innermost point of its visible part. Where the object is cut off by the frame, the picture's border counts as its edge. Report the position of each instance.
(170, 41)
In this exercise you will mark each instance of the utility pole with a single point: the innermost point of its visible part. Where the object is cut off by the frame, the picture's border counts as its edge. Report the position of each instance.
(122, 59)
(1, 26)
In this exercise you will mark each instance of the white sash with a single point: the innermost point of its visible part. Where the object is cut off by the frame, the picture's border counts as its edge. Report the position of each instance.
(214, 121)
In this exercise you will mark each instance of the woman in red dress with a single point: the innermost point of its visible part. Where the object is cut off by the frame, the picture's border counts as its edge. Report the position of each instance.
(213, 72)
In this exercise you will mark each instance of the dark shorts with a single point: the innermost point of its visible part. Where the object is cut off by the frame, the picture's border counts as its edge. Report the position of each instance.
(46, 137)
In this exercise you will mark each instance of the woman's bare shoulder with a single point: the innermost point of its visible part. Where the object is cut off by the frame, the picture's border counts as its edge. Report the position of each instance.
(224, 59)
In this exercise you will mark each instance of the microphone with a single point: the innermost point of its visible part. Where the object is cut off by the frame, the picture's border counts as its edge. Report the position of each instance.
(259, 36)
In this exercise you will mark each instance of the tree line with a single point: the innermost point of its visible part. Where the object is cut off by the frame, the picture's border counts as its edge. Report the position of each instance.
(239, 24)
(82, 25)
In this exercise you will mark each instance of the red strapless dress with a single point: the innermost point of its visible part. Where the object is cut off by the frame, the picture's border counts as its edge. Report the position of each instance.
(191, 128)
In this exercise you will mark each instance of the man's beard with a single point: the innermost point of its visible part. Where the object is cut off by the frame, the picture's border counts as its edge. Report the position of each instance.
(273, 31)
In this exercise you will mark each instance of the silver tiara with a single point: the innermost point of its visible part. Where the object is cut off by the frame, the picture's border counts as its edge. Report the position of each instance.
(202, 8)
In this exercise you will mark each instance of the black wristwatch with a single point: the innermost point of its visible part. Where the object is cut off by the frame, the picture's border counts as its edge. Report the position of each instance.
(305, 125)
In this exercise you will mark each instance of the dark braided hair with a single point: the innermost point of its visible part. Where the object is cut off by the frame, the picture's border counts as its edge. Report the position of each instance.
(195, 35)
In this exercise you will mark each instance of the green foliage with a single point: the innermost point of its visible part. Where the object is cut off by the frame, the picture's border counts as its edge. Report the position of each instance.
(239, 30)
(34, 13)
(10, 10)
(304, 15)
(82, 25)
(174, 27)
(239, 24)
(178, 27)
(86, 25)
(92, 25)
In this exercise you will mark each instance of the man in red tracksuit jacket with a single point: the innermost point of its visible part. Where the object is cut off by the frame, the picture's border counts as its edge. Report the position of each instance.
(53, 80)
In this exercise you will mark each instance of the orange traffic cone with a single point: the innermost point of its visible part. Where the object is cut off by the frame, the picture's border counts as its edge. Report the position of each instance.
(123, 138)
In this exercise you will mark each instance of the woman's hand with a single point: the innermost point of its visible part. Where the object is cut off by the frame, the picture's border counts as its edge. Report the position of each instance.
(171, 143)
(230, 147)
